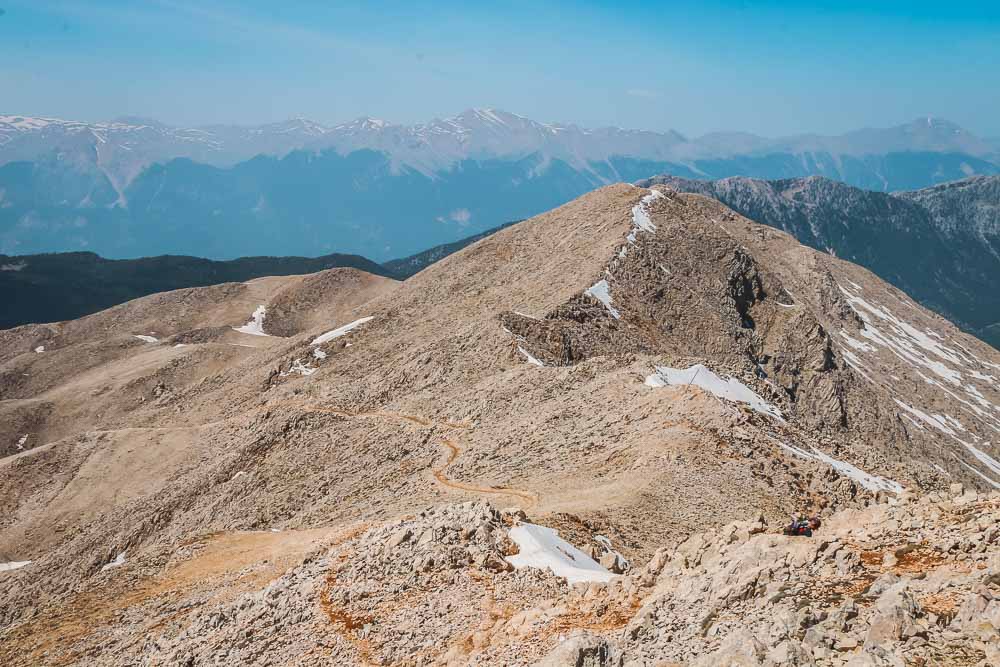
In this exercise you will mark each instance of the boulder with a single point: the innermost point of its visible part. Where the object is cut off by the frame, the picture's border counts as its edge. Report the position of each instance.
(582, 650)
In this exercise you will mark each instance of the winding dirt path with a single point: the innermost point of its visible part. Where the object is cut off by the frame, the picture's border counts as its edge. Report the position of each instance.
(530, 498)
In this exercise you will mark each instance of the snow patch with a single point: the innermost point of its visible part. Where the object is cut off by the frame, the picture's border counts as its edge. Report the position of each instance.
(950, 426)
(601, 291)
(337, 333)
(991, 463)
(531, 359)
(255, 325)
(904, 340)
(147, 339)
(855, 363)
(39, 349)
(541, 547)
(868, 481)
(300, 368)
(319, 354)
(13, 565)
(861, 346)
(983, 377)
(729, 389)
(117, 562)
(640, 219)
(993, 483)
(22, 442)
(937, 421)
(640, 215)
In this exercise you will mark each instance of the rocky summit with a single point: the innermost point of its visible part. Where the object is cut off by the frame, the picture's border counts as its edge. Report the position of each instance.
(574, 442)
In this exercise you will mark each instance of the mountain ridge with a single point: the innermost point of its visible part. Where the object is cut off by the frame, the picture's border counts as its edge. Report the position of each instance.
(940, 244)
(66, 286)
(472, 134)
(308, 456)
(138, 188)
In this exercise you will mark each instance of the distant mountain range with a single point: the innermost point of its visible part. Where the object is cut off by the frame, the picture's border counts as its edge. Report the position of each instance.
(940, 245)
(135, 187)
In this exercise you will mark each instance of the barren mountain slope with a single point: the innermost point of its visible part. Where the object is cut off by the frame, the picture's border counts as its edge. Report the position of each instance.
(553, 365)
(65, 378)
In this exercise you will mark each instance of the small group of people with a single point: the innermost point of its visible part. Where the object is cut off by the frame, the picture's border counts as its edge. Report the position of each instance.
(803, 527)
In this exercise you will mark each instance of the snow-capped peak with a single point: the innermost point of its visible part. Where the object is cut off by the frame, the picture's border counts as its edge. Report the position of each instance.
(365, 124)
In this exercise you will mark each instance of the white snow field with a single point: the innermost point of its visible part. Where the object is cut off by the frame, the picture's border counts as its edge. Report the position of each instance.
(729, 389)
(601, 291)
(13, 565)
(542, 548)
(867, 480)
(337, 333)
(255, 325)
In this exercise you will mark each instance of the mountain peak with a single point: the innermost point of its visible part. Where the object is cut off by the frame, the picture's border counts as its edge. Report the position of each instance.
(365, 123)
(935, 125)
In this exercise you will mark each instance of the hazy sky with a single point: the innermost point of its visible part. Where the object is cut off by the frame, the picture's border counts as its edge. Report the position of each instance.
(765, 67)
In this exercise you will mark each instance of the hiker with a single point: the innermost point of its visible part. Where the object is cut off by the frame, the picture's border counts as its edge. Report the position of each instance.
(803, 527)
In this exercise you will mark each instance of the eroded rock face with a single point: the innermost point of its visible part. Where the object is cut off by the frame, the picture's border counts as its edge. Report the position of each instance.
(689, 288)
(952, 227)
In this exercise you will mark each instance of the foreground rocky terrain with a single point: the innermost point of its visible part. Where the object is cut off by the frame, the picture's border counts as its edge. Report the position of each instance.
(909, 582)
(296, 470)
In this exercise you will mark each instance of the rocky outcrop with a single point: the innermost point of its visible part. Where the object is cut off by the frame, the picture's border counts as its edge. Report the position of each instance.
(905, 583)
(940, 244)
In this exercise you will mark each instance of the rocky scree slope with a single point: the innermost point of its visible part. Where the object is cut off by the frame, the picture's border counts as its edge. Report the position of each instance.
(904, 582)
(631, 365)
(940, 245)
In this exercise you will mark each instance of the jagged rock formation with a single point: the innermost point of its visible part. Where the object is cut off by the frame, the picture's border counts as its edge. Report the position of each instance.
(633, 365)
(904, 583)
(940, 245)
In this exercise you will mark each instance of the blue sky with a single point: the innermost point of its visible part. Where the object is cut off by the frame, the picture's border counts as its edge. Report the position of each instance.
(766, 67)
